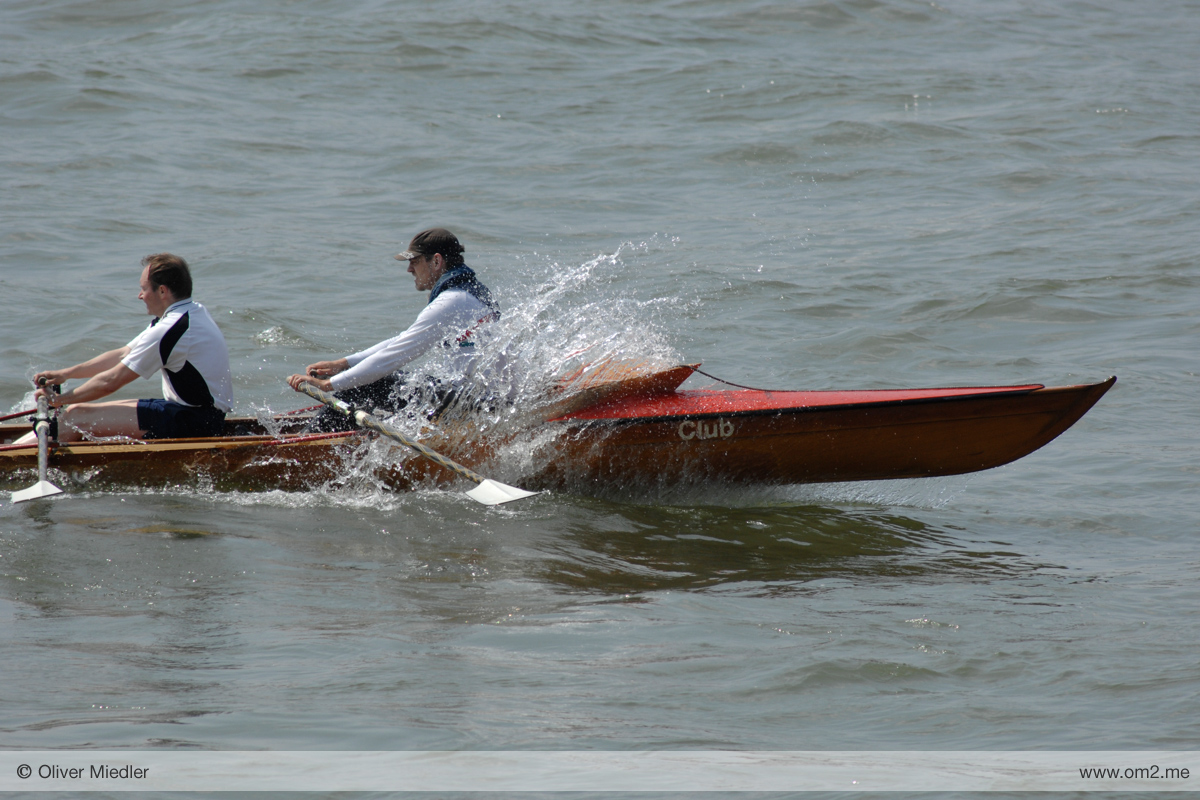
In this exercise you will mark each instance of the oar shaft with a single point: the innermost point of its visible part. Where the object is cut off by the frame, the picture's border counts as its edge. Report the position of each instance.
(43, 488)
(24, 413)
(368, 421)
(42, 426)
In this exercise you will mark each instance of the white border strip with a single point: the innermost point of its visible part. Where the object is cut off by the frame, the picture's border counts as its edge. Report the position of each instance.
(599, 771)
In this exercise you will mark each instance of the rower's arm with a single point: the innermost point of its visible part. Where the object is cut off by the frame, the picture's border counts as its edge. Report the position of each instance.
(96, 387)
(87, 369)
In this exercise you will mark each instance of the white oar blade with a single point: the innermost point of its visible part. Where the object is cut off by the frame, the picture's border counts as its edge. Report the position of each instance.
(493, 493)
(39, 489)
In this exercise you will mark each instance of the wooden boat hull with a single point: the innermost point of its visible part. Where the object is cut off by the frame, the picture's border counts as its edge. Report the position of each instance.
(814, 437)
(658, 436)
(253, 462)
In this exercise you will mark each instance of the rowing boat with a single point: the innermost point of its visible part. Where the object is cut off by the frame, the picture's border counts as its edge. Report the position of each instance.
(626, 431)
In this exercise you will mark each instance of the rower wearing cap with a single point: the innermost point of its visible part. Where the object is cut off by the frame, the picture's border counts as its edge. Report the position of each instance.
(458, 305)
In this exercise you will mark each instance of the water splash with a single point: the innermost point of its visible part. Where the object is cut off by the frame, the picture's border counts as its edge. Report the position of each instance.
(573, 322)
(571, 329)
(574, 327)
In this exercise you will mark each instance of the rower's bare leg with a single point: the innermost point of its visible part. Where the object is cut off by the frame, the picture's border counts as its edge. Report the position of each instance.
(114, 418)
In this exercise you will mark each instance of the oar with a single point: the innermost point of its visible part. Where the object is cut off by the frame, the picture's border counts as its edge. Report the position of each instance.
(24, 413)
(43, 488)
(488, 492)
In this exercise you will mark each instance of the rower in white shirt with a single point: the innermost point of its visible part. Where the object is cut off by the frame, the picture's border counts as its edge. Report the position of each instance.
(183, 342)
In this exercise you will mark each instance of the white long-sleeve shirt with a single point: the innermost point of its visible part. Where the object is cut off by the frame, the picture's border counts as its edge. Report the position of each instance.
(452, 317)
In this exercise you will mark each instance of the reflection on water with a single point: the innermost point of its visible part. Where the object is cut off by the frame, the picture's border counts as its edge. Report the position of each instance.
(753, 543)
(627, 549)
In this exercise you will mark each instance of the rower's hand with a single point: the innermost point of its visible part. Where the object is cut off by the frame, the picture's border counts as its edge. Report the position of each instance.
(48, 389)
(295, 381)
(327, 369)
(51, 377)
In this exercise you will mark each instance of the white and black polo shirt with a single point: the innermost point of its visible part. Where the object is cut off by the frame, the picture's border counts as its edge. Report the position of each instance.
(188, 347)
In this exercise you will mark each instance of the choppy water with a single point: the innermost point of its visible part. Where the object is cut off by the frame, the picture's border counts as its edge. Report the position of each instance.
(852, 194)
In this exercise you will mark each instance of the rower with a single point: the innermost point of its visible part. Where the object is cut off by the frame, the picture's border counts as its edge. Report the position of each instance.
(459, 305)
(182, 341)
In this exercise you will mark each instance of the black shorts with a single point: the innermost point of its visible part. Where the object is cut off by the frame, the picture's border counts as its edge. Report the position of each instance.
(162, 419)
